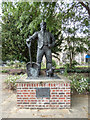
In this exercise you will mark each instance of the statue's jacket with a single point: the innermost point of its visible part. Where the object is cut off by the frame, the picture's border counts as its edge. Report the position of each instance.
(43, 38)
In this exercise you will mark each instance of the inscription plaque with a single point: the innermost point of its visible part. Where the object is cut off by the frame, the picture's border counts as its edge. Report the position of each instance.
(43, 92)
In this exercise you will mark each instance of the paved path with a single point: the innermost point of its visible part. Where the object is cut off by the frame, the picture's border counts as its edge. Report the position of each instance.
(79, 107)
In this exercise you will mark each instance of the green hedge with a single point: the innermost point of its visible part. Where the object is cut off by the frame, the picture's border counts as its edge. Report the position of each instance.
(74, 70)
(79, 70)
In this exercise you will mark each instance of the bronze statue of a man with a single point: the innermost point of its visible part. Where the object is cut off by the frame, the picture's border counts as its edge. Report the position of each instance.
(45, 41)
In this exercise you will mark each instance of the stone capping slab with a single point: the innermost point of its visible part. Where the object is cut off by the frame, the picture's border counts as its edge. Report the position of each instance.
(43, 79)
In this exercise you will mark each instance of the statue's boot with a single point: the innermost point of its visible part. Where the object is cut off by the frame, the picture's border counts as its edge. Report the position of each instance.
(49, 71)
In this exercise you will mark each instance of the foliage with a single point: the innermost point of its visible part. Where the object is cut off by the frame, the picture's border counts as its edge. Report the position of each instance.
(79, 84)
(78, 70)
(66, 69)
(21, 20)
(43, 66)
(75, 70)
(16, 19)
(86, 5)
(72, 65)
(16, 64)
(54, 64)
(10, 62)
(75, 27)
(85, 66)
(5, 71)
(11, 81)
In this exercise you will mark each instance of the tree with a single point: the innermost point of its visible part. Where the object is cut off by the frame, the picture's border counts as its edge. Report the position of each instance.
(20, 20)
(86, 5)
(74, 25)
(16, 19)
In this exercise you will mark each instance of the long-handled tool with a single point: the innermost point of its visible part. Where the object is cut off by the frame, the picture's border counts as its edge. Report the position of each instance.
(32, 67)
(29, 48)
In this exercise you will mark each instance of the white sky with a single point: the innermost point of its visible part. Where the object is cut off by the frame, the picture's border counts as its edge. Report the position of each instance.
(0, 6)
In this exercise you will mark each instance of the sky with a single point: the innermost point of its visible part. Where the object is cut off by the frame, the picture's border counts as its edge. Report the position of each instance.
(0, 6)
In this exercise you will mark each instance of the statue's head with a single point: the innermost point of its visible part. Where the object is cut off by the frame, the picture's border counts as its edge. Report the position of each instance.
(43, 25)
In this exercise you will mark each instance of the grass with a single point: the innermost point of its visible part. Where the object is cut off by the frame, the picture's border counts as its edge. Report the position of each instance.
(81, 66)
(43, 67)
(61, 66)
(12, 67)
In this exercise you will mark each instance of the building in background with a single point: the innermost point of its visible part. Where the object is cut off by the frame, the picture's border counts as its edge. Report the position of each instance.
(80, 58)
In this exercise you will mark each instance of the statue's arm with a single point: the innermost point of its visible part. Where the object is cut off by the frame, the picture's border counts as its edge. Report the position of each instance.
(35, 35)
(53, 40)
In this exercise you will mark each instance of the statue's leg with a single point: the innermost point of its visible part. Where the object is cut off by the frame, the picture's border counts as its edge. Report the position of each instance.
(48, 55)
(40, 53)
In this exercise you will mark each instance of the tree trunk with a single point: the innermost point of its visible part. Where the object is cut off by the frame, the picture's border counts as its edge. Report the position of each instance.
(70, 60)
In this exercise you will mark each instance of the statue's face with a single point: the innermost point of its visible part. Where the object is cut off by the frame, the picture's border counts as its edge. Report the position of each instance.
(43, 26)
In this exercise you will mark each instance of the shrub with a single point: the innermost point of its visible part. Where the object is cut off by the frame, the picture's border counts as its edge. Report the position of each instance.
(54, 64)
(5, 71)
(11, 62)
(79, 84)
(8, 63)
(16, 64)
(66, 65)
(79, 70)
(11, 81)
(74, 63)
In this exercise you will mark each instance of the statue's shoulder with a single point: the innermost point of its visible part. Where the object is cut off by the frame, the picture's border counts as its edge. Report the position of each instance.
(49, 33)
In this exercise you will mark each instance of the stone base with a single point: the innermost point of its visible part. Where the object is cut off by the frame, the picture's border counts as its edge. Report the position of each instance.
(43, 93)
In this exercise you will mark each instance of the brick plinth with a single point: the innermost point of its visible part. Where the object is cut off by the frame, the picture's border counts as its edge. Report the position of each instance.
(59, 94)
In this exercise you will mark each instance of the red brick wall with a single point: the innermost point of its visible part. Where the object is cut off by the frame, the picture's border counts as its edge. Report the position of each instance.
(59, 95)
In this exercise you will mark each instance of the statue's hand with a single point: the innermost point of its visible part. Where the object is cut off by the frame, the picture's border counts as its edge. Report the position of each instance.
(27, 40)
